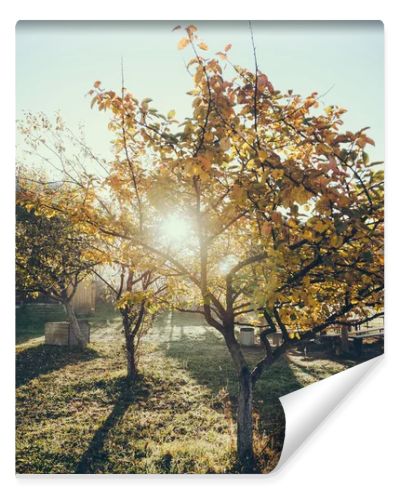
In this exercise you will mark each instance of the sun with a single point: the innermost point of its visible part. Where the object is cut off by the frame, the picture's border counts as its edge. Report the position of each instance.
(175, 230)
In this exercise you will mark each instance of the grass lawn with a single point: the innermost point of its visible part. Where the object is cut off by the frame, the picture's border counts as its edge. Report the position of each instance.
(75, 413)
(30, 319)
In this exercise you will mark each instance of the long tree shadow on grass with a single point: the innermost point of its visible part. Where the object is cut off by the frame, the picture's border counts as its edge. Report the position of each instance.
(207, 359)
(41, 359)
(96, 455)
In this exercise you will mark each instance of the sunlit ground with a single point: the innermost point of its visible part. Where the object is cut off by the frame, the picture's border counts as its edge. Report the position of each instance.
(75, 412)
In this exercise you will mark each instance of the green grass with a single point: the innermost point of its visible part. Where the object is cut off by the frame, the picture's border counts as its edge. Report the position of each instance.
(75, 412)
(30, 319)
(80, 416)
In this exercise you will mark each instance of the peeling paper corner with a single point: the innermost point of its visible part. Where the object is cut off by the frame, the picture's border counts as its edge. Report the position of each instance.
(307, 408)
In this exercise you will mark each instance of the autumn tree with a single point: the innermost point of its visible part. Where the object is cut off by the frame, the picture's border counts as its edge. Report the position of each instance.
(51, 253)
(283, 210)
(137, 290)
(61, 178)
(286, 209)
(123, 208)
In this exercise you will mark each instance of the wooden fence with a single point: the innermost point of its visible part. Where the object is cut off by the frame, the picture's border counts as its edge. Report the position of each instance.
(84, 299)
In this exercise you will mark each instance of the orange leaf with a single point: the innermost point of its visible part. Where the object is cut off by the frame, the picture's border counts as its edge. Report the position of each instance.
(221, 55)
(370, 141)
(183, 42)
(276, 217)
(266, 229)
(191, 29)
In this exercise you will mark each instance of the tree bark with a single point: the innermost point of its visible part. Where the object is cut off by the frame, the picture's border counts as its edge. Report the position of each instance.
(245, 454)
(344, 337)
(245, 422)
(74, 324)
(131, 360)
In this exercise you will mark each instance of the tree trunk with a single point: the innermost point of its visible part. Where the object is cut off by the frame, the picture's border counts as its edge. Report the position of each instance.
(344, 337)
(131, 360)
(74, 324)
(245, 422)
(245, 455)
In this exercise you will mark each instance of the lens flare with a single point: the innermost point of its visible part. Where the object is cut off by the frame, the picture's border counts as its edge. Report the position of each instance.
(175, 230)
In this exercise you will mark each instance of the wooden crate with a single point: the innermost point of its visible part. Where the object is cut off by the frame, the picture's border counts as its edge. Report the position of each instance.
(56, 333)
(60, 333)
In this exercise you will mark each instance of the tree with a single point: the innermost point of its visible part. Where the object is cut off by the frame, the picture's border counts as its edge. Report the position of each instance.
(286, 209)
(282, 211)
(95, 201)
(51, 254)
(136, 290)
(57, 174)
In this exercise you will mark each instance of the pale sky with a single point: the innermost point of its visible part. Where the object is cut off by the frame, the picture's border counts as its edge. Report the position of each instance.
(57, 63)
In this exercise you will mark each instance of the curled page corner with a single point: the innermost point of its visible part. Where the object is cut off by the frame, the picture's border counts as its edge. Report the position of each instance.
(306, 408)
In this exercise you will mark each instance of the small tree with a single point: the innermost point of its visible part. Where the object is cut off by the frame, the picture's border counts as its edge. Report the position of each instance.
(56, 179)
(51, 254)
(136, 294)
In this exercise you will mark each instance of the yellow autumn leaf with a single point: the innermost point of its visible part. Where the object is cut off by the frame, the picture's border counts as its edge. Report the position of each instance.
(183, 42)
(323, 149)
(277, 174)
(198, 75)
(238, 193)
(308, 235)
(320, 226)
(225, 144)
(336, 240)
(263, 155)
(203, 46)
